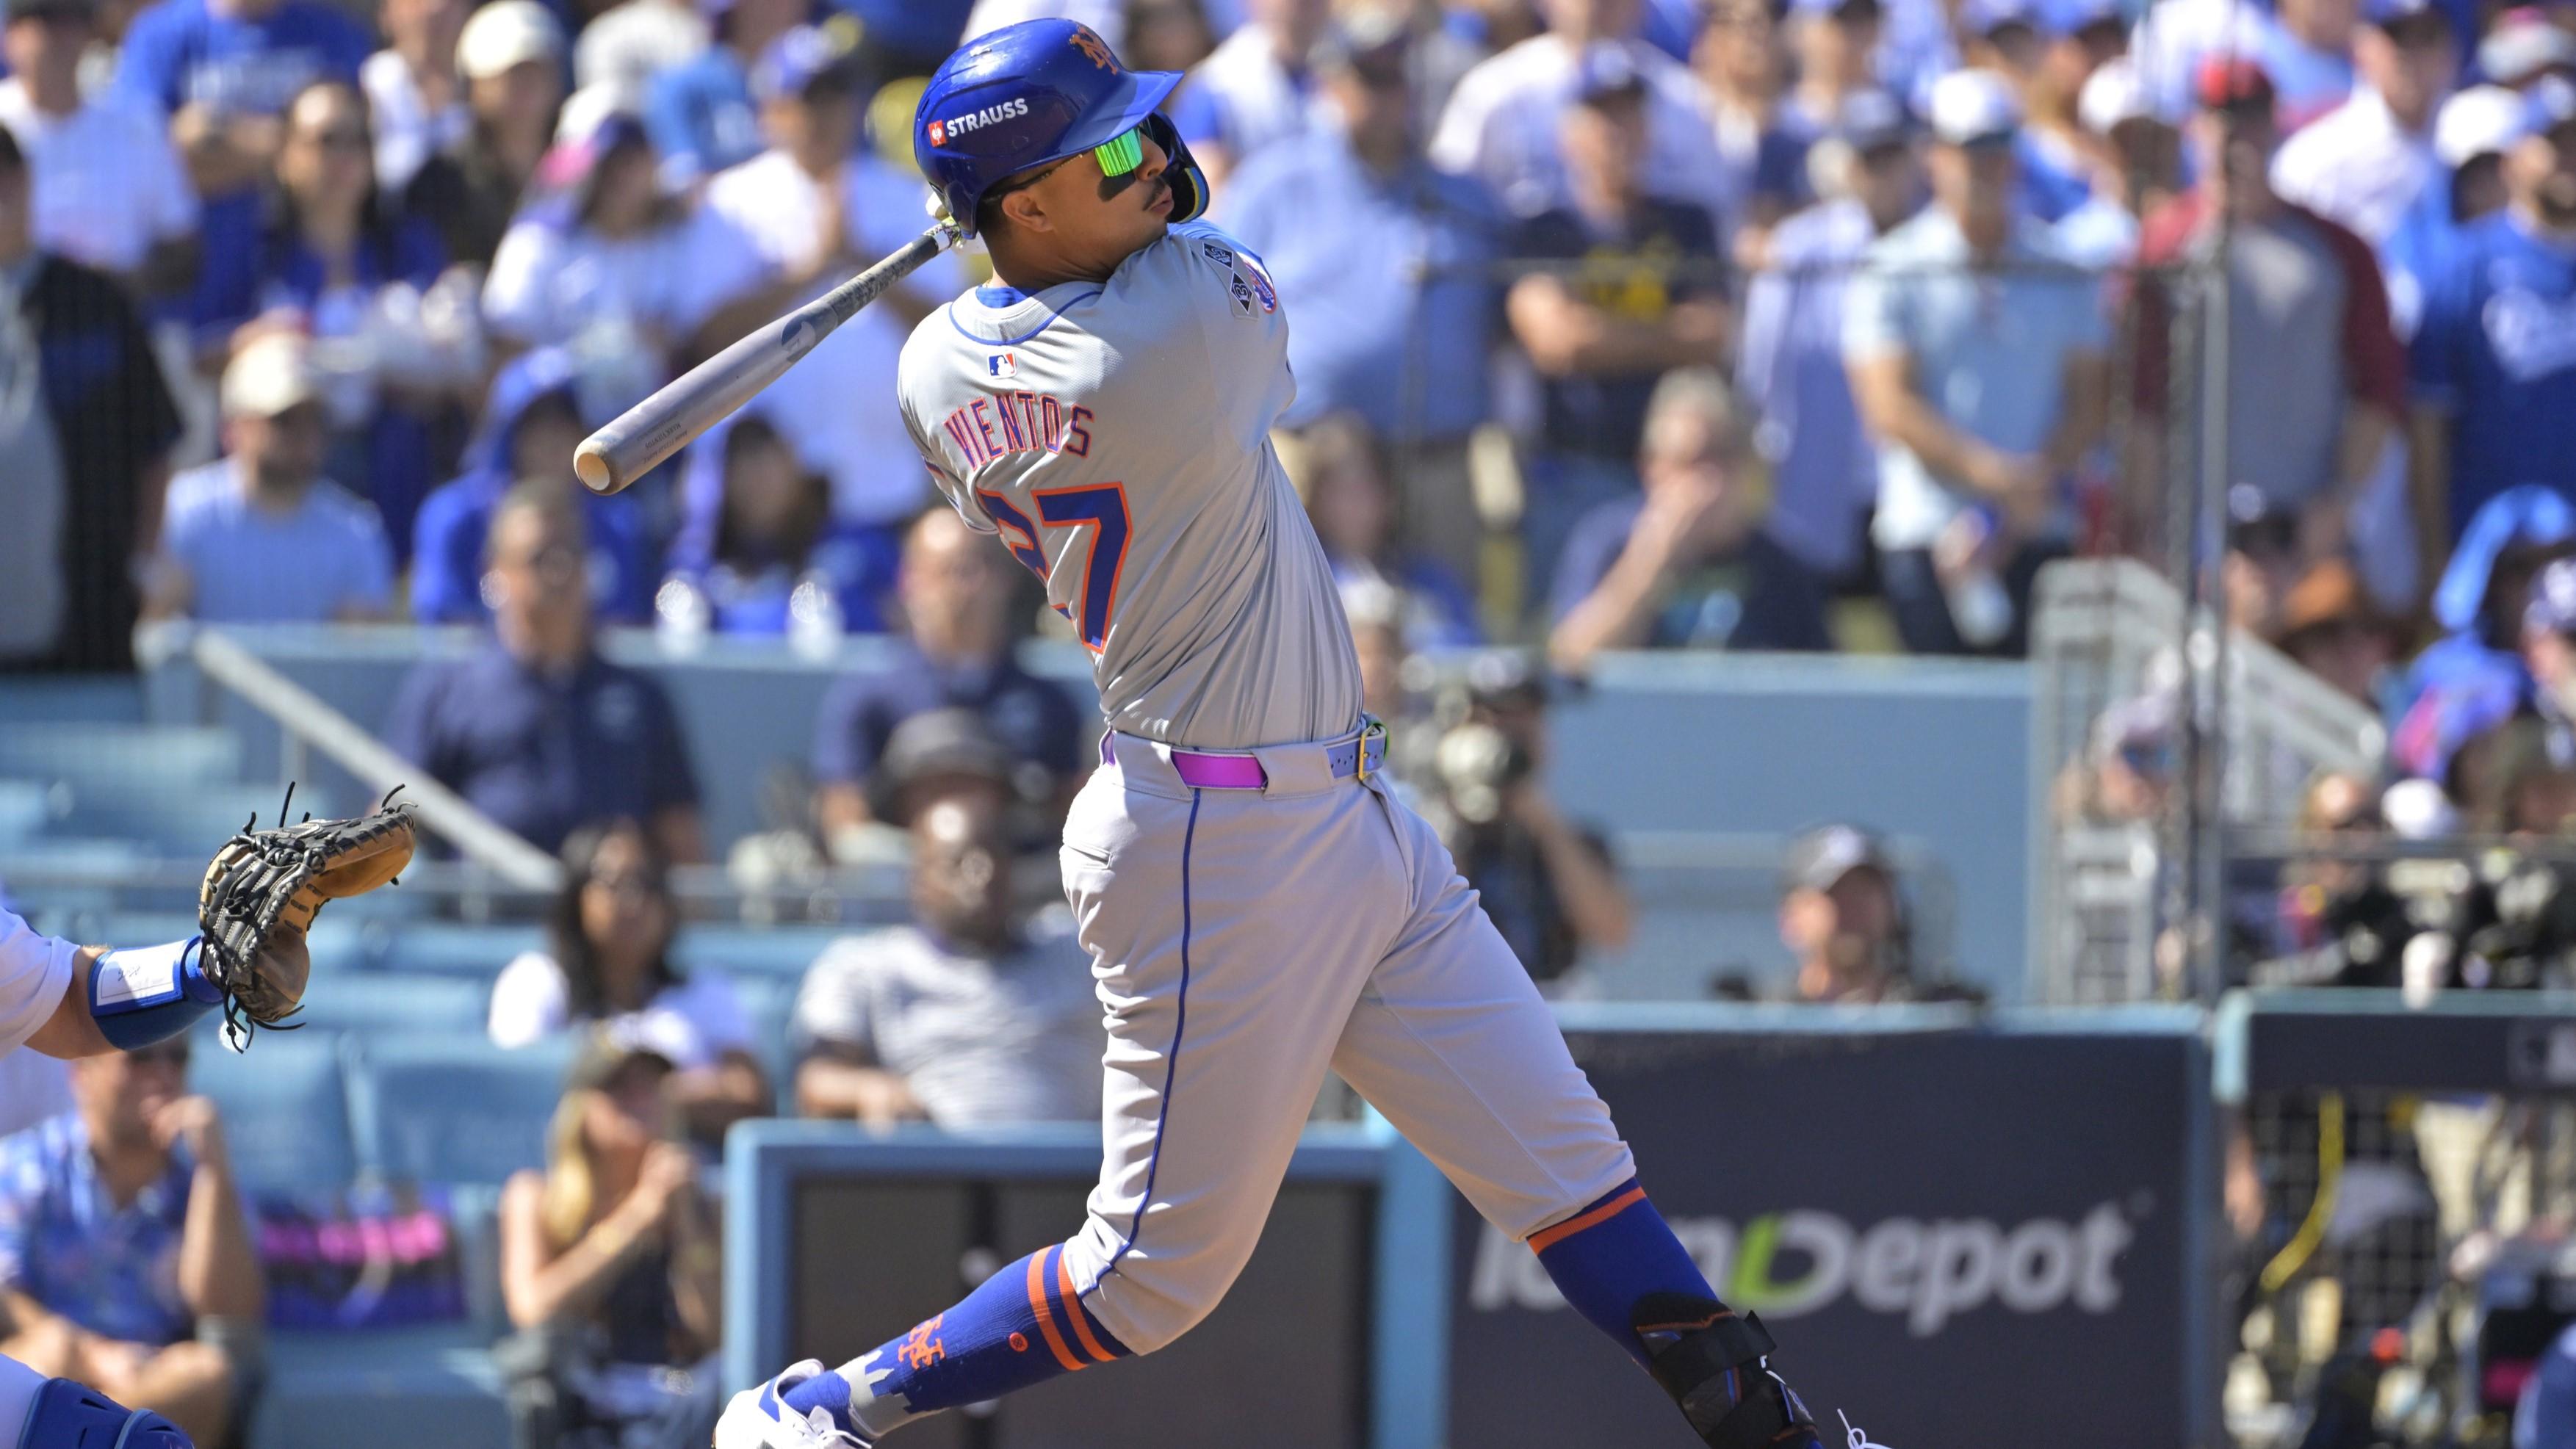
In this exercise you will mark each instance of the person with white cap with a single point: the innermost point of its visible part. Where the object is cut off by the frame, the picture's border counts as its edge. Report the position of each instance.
(1977, 354)
(2364, 163)
(2494, 357)
(259, 535)
(1501, 125)
(2524, 44)
(2471, 136)
(2135, 162)
(509, 58)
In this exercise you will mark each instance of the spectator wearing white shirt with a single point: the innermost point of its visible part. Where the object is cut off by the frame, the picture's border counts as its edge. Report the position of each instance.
(1504, 120)
(414, 95)
(259, 535)
(609, 262)
(510, 59)
(968, 1016)
(607, 960)
(1257, 84)
(806, 213)
(2366, 162)
(110, 190)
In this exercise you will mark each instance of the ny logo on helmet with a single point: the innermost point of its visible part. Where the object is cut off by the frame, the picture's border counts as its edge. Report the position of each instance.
(1092, 45)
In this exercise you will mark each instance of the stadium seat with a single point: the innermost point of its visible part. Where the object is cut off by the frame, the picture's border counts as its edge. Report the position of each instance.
(380, 1002)
(432, 1388)
(741, 951)
(175, 758)
(453, 1108)
(285, 1107)
(453, 950)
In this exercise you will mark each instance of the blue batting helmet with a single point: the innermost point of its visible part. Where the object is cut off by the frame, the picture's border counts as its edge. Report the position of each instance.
(1033, 93)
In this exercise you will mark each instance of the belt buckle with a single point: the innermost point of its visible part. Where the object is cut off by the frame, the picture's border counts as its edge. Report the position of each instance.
(1371, 728)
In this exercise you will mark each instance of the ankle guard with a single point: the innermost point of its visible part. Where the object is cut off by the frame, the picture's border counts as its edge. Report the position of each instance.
(1713, 1362)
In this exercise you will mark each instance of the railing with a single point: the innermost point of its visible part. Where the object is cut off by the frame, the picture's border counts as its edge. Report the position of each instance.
(310, 725)
(2105, 895)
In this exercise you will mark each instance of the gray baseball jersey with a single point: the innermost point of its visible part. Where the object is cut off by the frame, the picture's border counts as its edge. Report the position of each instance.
(1116, 436)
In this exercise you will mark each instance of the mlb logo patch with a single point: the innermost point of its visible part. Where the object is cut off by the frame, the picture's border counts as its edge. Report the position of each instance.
(1261, 288)
(1002, 364)
(938, 132)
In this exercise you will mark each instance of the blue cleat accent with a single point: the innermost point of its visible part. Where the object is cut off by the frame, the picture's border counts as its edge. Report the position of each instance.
(67, 1415)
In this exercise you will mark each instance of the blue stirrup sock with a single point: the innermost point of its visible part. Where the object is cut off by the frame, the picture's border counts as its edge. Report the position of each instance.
(1024, 1325)
(1613, 1255)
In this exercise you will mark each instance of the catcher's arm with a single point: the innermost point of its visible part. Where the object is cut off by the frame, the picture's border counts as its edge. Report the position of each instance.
(71, 1031)
(261, 892)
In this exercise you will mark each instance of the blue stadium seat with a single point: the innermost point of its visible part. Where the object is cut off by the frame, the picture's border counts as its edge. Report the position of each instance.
(452, 950)
(285, 1107)
(178, 758)
(453, 1108)
(379, 1002)
(432, 1388)
(741, 951)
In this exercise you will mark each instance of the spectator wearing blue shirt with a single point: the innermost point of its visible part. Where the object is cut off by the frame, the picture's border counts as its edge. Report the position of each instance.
(1258, 85)
(324, 263)
(536, 729)
(1402, 344)
(1686, 565)
(1978, 357)
(1740, 57)
(530, 427)
(1789, 360)
(221, 73)
(701, 114)
(2494, 355)
(770, 557)
(956, 601)
(122, 1239)
(1342, 470)
(259, 535)
(1636, 290)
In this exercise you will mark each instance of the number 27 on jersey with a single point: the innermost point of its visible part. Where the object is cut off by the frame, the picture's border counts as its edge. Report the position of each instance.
(1100, 508)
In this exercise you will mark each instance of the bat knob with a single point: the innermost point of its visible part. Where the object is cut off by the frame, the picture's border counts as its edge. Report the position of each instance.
(590, 464)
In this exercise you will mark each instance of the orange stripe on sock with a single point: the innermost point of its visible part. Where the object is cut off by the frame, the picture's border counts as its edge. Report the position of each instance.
(1547, 1238)
(1046, 1316)
(1073, 1313)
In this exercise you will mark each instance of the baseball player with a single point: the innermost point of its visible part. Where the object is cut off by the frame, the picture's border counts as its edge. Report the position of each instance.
(1258, 906)
(67, 1000)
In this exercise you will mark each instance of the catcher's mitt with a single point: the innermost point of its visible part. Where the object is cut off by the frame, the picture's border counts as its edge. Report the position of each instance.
(263, 889)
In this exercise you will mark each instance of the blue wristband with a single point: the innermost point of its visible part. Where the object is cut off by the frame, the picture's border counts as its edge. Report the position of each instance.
(149, 995)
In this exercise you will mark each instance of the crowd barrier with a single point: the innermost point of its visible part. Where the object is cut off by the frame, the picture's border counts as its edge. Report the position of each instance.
(1963, 1230)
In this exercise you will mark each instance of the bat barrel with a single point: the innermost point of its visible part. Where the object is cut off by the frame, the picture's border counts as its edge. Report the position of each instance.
(637, 440)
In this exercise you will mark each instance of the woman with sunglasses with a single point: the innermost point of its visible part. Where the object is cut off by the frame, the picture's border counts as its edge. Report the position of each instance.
(608, 961)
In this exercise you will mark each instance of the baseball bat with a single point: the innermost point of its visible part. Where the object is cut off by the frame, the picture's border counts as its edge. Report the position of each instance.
(642, 436)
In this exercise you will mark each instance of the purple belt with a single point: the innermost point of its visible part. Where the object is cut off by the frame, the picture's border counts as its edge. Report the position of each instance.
(1362, 754)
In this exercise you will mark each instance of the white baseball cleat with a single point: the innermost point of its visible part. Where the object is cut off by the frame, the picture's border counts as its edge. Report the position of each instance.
(759, 1419)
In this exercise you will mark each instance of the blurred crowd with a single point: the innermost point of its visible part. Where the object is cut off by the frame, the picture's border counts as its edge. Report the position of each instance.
(1619, 323)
